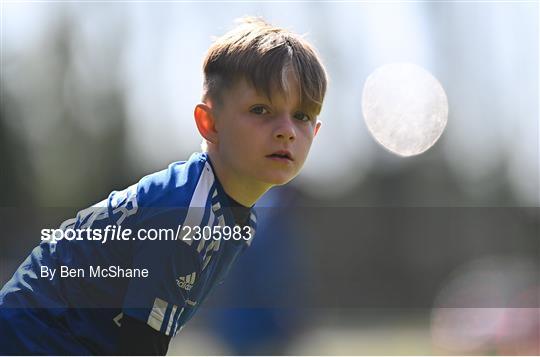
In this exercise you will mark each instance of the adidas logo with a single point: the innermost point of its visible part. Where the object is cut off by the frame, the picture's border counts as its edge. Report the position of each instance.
(186, 282)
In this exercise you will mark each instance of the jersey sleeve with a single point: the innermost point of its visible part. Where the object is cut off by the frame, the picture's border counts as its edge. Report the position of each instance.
(160, 298)
(173, 266)
(118, 209)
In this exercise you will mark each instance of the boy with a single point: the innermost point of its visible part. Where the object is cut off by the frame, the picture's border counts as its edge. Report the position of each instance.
(263, 90)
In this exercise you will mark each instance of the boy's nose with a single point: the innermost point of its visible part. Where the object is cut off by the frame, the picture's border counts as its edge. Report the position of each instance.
(285, 129)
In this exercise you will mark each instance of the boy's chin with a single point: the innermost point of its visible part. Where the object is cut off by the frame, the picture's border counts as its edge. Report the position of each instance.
(279, 180)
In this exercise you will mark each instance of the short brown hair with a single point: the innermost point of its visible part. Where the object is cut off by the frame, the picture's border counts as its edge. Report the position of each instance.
(263, 55)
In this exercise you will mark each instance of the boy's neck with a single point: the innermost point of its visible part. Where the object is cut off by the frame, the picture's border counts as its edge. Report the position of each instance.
(245, 193)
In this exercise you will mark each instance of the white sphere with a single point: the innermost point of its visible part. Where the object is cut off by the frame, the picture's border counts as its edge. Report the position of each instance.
(405, 108)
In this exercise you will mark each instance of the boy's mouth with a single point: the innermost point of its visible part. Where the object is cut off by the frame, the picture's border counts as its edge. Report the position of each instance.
(281, 154)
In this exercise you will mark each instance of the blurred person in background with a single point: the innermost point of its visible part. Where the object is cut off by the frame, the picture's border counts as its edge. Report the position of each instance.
(267, 316)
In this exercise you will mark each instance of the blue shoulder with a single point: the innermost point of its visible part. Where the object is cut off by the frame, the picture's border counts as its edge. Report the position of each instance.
(172, 187)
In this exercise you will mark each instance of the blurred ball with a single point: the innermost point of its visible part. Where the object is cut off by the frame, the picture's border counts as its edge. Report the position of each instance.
(405, 108)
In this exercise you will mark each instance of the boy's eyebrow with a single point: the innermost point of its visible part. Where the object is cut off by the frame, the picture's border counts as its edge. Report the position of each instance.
(266, 98)
(262, 96)
(262, 99)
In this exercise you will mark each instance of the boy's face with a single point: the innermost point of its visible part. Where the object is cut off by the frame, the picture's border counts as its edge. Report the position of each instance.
(263, 141)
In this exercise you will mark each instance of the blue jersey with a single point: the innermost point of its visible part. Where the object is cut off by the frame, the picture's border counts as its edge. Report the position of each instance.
(80, 314)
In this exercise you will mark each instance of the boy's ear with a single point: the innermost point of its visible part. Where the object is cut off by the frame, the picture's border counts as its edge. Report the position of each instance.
(204, 118)
(317, 127)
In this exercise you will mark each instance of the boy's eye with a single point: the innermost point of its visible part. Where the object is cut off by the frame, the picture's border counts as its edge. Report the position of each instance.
(259, 110)
(302, 116)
